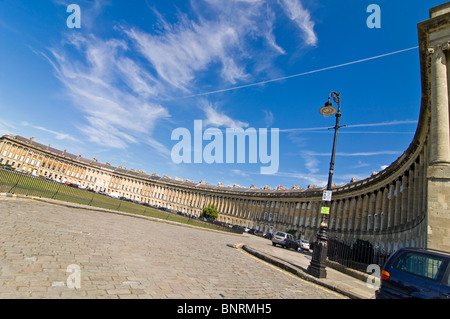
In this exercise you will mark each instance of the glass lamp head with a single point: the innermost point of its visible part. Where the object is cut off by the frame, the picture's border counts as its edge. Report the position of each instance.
(328, 109)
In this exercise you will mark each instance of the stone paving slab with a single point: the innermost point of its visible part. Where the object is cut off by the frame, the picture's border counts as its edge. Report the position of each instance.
(298, 262)
(54, 251)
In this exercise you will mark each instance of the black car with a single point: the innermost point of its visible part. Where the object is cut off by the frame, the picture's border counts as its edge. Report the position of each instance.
(415, 273)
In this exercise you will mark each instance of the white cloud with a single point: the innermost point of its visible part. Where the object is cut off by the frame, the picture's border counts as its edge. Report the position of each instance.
(217, 119)
(183, 50)
(118, 83)
(361, 164)
(297, 13)
(311, 162)
(6, 127)
(268, 118)
(110, 89)
(239, 172)
(218, 38)
(58, 135)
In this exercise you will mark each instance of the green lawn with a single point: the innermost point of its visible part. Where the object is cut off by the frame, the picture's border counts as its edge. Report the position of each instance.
(23, 184)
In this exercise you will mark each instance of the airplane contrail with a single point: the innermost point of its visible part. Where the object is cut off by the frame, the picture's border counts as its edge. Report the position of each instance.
(304, 73)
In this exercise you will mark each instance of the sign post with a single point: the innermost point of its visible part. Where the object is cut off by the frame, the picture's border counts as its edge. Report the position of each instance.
(327, 195)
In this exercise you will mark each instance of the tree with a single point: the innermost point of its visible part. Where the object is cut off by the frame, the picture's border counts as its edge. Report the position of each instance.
(210, 211)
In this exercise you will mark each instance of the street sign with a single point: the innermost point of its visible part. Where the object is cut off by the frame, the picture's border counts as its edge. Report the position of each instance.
(325, 210)
(327, 196)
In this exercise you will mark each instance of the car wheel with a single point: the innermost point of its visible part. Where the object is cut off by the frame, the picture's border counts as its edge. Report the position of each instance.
(273, 244)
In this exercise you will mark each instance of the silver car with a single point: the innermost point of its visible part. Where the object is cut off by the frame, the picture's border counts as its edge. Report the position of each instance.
(284, 240)
(303, 245)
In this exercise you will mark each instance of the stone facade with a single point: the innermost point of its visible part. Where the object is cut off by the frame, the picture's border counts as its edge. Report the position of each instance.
(407, 204)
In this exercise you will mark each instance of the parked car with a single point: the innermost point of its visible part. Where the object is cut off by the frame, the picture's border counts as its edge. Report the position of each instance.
(303, 245)
(268, 235)
(284, 240)
(72, 185)
(415, 273)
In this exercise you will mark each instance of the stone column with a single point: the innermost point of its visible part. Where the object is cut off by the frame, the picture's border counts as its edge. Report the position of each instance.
(358, 214)
(405, 199)
(378, 207)
(384, 208)
(439, 130)
(351, 214)
(345, 214)
(438, 170)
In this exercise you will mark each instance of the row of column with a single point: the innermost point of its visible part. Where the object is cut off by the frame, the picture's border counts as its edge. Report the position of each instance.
(400, 202)
(31, 160)
(395, 204)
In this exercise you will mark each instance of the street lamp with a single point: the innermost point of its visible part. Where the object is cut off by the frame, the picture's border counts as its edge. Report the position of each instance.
(317, 266)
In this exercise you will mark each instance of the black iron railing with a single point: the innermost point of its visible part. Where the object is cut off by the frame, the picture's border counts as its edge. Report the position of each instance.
(357, 255)
(14, 182)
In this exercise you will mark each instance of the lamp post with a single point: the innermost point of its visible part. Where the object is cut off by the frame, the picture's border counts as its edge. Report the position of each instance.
(317, 266)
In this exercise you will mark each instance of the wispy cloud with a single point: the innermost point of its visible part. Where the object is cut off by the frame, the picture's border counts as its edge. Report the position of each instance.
(216, 118)
(268, 118)
(109, 88)
(119, 82)
(311, 162)
(58, 135)
(297, 13)
(218, 40)
(6, 127)
(239, 172)
(183, 50)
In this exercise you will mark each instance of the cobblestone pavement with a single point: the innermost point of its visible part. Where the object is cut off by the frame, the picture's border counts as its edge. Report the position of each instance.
(53, 251)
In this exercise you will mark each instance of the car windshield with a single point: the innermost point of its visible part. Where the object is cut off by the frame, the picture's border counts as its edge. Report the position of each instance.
(280, 234)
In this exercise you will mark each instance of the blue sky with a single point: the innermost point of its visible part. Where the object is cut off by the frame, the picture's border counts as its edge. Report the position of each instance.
(117, 87)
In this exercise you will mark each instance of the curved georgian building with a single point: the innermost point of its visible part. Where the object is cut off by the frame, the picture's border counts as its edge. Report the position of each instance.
(407, 204)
